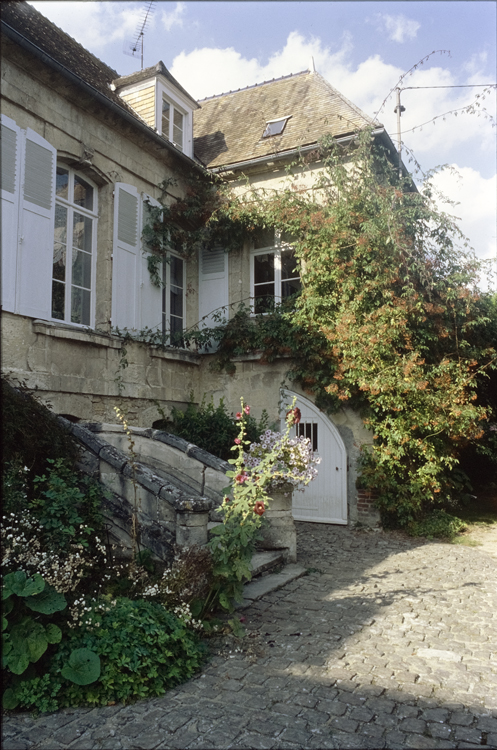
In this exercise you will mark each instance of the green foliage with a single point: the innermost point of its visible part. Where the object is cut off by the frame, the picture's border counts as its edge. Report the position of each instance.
(438, 524)
(143, 650)
(82, 668)
(31, 433)
(211, 427)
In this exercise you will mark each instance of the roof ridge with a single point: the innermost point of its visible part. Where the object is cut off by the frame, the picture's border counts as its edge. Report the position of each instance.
(23, 4)
(255, 85)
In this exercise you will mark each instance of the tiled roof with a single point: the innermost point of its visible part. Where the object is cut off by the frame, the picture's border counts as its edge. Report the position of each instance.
(38, 30)
(143, 75)
(228, 128)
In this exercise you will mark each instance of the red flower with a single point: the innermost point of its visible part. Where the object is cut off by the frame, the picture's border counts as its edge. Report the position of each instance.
(295, 415)
(241, 478)
(227, 500)
(238, 415)
(259, 507)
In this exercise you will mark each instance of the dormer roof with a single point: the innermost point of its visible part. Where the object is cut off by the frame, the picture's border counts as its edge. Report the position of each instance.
(152, 72)
(229, 129)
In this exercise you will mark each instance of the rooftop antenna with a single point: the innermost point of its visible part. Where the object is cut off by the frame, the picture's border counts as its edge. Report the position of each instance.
(137, 44)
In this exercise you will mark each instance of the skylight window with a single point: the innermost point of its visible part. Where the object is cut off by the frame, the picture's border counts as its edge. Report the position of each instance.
(275, 127)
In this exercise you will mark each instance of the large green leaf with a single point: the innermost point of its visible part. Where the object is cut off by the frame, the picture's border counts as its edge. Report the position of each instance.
(47, 601)
(18, 583)
(28, 637)
(83, 667)
(9, 700)
(53, 633)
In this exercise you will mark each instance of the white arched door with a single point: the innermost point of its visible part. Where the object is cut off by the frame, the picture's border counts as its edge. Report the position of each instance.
(324, 500)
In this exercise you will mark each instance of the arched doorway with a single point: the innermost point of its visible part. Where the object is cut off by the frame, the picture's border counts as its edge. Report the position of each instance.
(324, 500)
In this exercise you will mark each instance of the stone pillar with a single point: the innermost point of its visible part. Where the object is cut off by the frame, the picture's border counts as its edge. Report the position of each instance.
(191, 528)
(281, 532)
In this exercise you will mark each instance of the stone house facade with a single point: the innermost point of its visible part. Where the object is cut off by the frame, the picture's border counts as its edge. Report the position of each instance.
(83, 151)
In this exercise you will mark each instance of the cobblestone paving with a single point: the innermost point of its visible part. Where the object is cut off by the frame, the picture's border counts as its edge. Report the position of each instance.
(392, 644)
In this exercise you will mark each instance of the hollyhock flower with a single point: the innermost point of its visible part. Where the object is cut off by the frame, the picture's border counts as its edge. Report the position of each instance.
(237, 441)
(296, 415)
(238, 415)
(259, 507)
(241, 478)
(246, 409)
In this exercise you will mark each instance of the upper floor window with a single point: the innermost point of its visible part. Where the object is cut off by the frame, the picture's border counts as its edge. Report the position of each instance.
(74, 247)
(173, 123)
(173, 299)
(274, 274)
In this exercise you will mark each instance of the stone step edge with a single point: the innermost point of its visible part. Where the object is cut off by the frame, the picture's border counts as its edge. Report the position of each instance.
(263, 561)
(257, 589)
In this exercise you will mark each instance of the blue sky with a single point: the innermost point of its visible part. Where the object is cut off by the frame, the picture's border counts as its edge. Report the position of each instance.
(362, 48)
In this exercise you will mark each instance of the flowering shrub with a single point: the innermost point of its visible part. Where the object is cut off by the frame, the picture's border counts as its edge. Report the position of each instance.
(294, 460)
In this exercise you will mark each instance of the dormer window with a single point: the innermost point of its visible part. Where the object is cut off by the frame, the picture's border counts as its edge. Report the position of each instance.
(172, 123)
(275, 127)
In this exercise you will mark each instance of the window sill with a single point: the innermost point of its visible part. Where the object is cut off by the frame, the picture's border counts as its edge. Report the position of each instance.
(71, 333)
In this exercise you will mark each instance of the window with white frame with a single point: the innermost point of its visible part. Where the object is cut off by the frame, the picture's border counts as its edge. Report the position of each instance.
(173, 299)
(274, 275)
(173, 123)
(74, 247)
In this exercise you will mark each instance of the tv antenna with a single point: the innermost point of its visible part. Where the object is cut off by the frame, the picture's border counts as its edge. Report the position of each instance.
(133, 48)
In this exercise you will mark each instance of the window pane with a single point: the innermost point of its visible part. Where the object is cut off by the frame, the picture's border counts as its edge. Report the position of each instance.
(178, 128)
(176, 301)
(59, 261)
(288, 265)
(81, 269)
(80, 306)
(264, 238)
(263, 268)
(58, 300)
(264, 298)
(176, 331)
(176, 265)
(288, 288)
(60, 224)
(62, 183)
(166, 115)
(83, 193)
(82, 232)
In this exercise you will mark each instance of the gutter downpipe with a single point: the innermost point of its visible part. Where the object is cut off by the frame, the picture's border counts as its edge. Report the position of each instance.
(33, 49)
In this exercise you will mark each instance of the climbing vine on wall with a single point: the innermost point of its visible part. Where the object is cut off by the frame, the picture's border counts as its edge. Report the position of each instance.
(390, 318)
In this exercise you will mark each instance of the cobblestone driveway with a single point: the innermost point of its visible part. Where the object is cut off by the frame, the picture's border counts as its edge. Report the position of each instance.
(391, 645)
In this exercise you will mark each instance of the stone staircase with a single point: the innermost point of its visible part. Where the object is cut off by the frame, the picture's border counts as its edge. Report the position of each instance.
(269, 573)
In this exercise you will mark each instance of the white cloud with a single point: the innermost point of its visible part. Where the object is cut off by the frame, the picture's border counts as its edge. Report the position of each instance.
(174, 17)
(399, 28)
(477, 209)
(94, 24)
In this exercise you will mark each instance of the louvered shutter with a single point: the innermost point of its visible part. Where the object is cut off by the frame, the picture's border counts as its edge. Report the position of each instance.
(37, 211)
(213, 287)
(10, 165)
(150, 295)
(125, 263)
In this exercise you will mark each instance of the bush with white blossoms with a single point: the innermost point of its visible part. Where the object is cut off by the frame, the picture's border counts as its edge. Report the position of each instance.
(295, 462)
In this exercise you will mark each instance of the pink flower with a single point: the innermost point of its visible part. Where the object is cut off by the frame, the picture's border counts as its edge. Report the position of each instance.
(259, 507)
(237, 441)
(238, 415)
(241, 478)
(246, 409)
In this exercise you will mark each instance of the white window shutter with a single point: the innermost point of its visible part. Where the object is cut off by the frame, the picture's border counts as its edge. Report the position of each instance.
(125, 264)
(37, 210)
(213, 286)
(10, 165)
(150, 295)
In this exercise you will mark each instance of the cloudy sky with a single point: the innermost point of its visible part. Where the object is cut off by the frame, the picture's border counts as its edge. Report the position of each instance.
(362, 48)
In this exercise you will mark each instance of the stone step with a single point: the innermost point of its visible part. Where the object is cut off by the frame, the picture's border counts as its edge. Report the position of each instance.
(265, 560)
(271, 582)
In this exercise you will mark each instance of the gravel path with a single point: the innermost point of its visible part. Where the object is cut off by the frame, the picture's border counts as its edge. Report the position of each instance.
(387, 643)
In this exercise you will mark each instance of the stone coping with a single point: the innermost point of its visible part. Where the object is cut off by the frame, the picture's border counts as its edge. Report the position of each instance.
(191, 450)
(144, 476)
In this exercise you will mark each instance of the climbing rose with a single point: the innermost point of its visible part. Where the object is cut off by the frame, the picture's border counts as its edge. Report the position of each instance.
(296, 415)
(259, 507)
